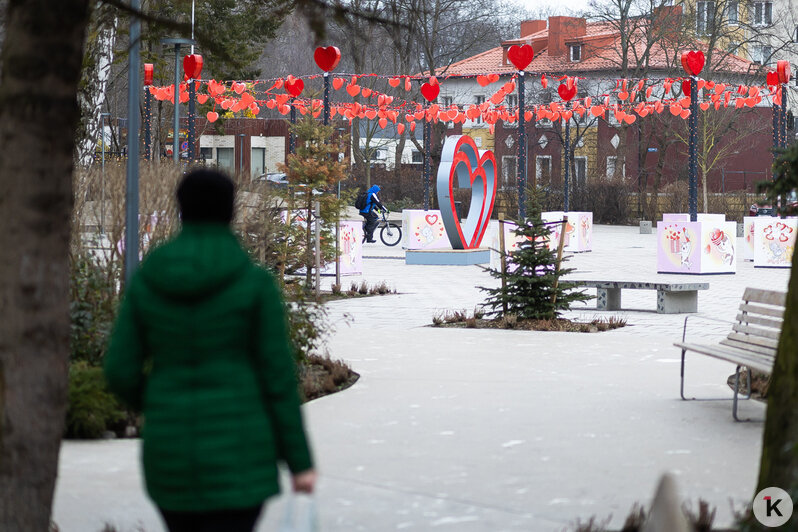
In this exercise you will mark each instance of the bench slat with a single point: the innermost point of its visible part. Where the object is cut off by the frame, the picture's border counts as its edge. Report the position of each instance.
(735, 356)
(768, 297)
(748, 339)
(756, 320)
(757, 331)
(750, 347)
(759, 309)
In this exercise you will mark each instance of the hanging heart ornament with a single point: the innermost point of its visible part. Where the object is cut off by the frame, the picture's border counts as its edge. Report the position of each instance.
(462, 160)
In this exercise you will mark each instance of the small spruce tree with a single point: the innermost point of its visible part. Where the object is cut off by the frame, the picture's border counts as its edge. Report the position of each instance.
(532, 279)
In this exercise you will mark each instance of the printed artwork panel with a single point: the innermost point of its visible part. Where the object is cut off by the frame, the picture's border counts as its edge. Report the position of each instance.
(423, 230)
(747, 248)
(774, 241)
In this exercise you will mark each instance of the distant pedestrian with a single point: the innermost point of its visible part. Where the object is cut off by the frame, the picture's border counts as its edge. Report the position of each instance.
(369, 213)
(201, 348)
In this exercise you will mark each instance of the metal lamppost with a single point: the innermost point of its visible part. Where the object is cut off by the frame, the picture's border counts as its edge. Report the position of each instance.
(177, 42)
(241, 154)
(132, 171)
(693, 63)
(102, 173)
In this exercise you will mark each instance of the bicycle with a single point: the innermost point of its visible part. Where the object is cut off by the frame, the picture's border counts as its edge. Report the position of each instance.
(390, 233)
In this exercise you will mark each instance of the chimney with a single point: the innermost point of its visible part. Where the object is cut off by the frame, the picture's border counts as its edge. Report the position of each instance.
(562, 29)
(530, 27)
(666, 21)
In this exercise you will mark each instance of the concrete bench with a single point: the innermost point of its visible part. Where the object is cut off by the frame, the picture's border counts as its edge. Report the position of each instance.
(672, 298)
(752, 342)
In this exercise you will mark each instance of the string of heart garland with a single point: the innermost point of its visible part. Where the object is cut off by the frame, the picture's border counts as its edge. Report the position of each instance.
(627, 101)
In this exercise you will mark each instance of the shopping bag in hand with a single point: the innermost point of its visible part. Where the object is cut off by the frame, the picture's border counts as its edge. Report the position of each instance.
(300, 515)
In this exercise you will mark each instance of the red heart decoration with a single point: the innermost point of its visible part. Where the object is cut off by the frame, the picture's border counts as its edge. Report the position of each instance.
(432, 219)
(327, 58)
(148, 72)
(783, 70)
(483, 81)
(393, 82)
(461, 155)
(192, 66)
(686, 87)
(565, 93)
(520, 56)
(693, 62)
(430, 92)
(212, 116)
(294, 87)
(338, 83)
(353, 90)
(772, 78)
(202, 98)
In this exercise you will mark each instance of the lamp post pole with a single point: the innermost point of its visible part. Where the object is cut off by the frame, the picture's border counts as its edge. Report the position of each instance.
(102, 173)
(241, 154)
(132, 170)
(176, 133)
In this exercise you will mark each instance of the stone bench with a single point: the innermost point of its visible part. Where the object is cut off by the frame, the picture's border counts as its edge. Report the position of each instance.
(672, 298)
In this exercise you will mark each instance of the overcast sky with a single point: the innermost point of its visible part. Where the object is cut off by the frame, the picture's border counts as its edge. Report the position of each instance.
(539, 7)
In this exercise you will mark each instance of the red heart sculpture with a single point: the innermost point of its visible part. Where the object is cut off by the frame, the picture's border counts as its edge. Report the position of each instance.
(461, 160)
(327, 58)
(693, 62)
(430, 92)
(192, 66)
(772, 79)
(294, 87)
(565, 93)
(783, 70)
(520, 56)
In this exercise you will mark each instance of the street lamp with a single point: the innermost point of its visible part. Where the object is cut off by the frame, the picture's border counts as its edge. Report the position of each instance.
(102, 173)
(176, 135)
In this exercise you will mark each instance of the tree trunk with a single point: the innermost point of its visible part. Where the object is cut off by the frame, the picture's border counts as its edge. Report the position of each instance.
(779, 463)
(42, 59)
(91, 96)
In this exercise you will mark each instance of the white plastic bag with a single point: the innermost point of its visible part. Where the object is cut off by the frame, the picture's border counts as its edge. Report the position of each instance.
(300, 514)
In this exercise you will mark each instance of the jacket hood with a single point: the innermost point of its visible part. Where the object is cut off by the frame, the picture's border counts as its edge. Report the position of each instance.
(373, 190)
(203, 259)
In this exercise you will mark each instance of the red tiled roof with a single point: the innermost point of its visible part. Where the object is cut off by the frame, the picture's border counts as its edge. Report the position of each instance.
(595, 58)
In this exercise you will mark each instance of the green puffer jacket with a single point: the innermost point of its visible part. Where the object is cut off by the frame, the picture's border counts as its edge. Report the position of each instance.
(200, 346)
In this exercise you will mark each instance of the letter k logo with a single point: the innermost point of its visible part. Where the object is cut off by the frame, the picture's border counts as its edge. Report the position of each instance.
(772, 507)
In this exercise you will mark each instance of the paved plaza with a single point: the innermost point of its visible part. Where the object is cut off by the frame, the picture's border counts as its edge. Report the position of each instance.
(494, 430)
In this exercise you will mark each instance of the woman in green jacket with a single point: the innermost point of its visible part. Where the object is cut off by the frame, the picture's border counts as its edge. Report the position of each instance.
(201, 348)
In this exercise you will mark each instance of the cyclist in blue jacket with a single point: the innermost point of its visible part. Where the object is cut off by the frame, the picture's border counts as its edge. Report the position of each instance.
(369, 213)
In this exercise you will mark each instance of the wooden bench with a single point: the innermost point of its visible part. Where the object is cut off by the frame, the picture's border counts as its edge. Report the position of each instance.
(752, 342)
(672, 298)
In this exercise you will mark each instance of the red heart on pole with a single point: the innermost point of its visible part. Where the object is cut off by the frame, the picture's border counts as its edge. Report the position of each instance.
(686, 87)
(693, 62)
(192, 66)
(566, 93)
(521, 56)
(294, 87)
(148, 71)
(783, 70)
(430, 92)
(327, 58)
(772, 78)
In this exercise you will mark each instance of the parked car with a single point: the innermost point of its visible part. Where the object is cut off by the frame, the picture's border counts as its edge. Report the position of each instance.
(766, 208)
(274, 178)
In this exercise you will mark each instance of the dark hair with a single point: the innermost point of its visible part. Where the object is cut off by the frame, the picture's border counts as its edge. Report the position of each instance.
(206, 195)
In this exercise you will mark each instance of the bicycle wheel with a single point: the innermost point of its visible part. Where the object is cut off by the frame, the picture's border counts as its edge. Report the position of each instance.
(390, 234)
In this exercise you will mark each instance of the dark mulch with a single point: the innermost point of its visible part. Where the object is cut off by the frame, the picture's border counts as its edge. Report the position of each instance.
(558, 324)
(322, 376)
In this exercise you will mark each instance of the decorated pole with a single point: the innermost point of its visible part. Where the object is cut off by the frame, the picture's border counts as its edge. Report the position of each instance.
(327, 58)
(176, 133)
(429, 91)
(567, 91)
(132, 168)
(291, 136)
(148, 74)
(693, 63)
(783, 72)
(521, 57)
(192, 67)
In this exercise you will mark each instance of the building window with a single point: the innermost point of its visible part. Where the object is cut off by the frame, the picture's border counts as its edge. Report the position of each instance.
(615, 168)
(705, 17)
(417, 157)
(479, 100)
(225, 159)
(206, 155)
(580, 170)
(512, 107)
(258, 162)
(732, 10)
(763, 13)
(576, 53)
(761, 53)
(543, 169)
(509, 171)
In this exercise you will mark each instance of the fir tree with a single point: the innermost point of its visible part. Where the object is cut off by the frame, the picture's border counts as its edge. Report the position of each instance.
(532, 280)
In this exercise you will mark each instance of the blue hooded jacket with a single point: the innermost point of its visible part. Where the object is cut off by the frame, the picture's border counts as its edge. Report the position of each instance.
(371, 199)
